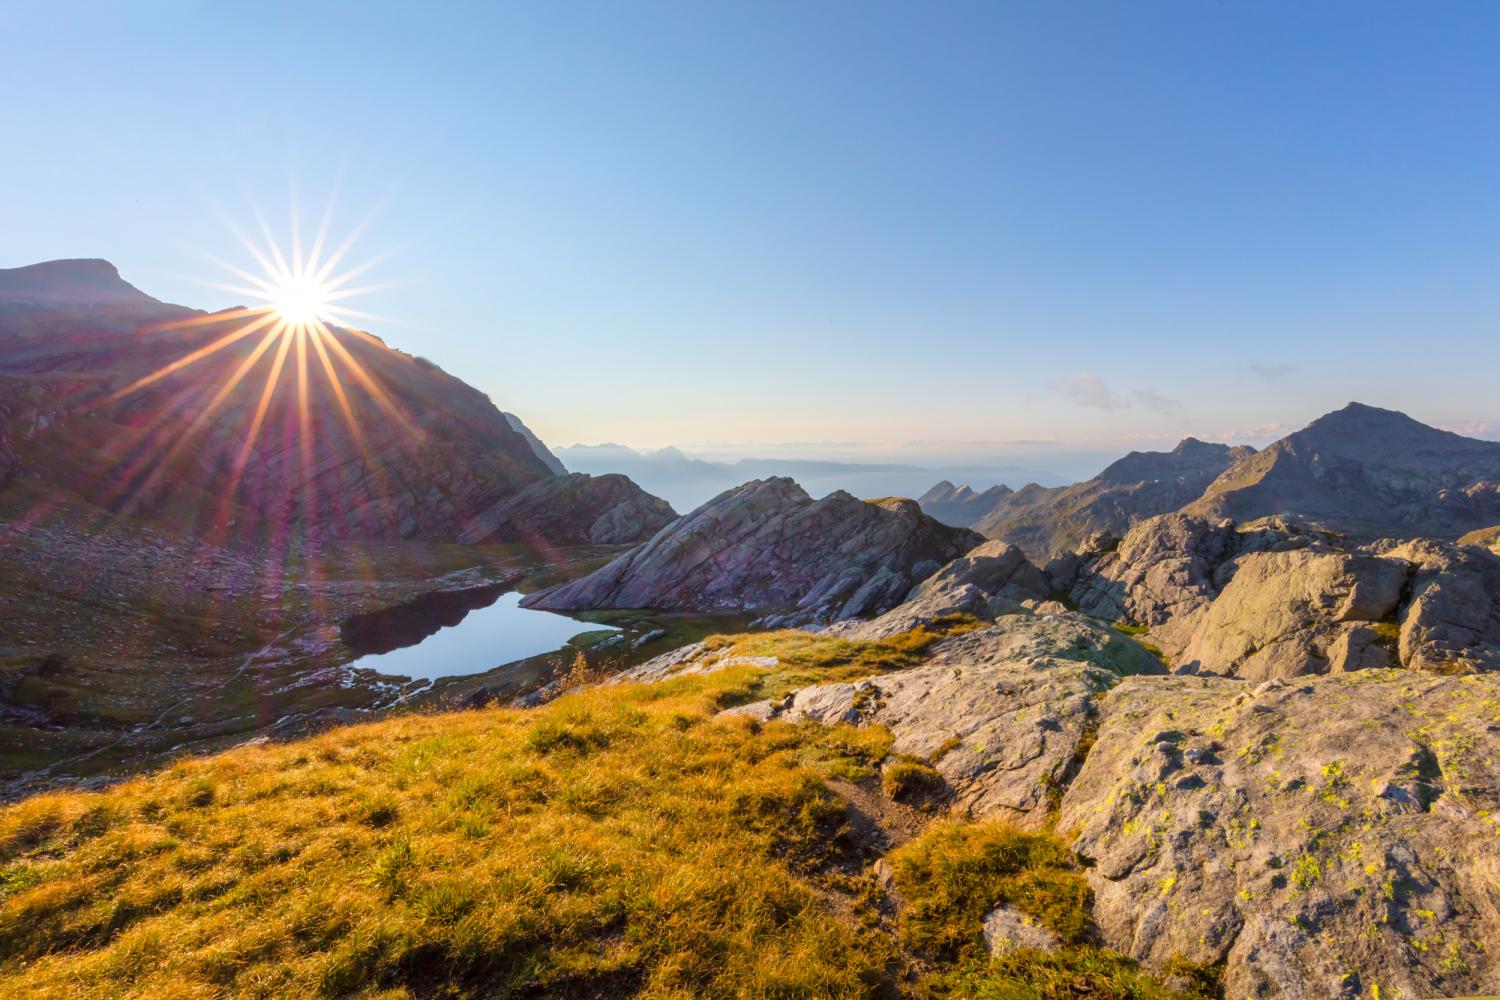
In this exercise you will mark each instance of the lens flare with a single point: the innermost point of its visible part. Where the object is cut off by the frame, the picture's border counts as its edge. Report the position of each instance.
(300, 302)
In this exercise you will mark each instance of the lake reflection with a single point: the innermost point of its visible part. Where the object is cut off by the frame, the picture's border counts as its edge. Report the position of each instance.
(484, 639)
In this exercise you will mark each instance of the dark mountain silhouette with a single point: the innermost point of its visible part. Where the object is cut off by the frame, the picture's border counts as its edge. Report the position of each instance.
(220, 422)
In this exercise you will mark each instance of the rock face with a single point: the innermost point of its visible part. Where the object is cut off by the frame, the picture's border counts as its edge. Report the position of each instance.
(1277, 599)
(990, 580)
(1485, 538)
(768, 546)
(1366, 472)
(1321, 839)
(220, 422)
(1288, 613)
(597, 510)
(1451, 623)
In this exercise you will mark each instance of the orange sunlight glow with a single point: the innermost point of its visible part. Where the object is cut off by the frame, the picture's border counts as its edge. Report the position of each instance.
(301, 301)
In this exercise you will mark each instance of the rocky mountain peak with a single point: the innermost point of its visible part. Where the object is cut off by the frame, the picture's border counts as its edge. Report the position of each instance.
(768, 546)
(1366, 471)
(97, 404)
(72, 282)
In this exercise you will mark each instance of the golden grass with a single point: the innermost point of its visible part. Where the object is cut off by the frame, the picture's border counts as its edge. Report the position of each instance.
(808, 658)
(619, 841)
(618, 838)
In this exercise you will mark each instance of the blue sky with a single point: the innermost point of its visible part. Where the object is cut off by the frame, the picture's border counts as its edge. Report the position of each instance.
(837, 222)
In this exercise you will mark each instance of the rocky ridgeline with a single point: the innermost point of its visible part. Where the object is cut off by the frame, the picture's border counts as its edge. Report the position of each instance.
(1367, 473)
(1361, 471)
(353, 441)
(1046, 521)
(1335, 835)
(768, 546)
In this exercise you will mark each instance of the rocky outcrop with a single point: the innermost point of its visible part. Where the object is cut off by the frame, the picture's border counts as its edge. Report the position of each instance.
(1279, 599)
(991, 580)
(999, 712)
(768, 546)
(1283, 614)
(1368, 473)
(1485, 538)
(1335, 837)
(1046, 522)
(1162, 568)
(224, 424)
(1451, 621)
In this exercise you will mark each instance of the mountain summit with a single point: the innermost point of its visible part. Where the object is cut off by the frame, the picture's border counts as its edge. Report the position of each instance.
(1366, 471)
(226, 423)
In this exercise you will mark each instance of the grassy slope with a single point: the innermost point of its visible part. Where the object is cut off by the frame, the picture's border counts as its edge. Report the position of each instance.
(619, 841)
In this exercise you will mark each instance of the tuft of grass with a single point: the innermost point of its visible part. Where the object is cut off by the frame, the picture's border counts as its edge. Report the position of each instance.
(915, 782)
(1074, 974)
(957, 872)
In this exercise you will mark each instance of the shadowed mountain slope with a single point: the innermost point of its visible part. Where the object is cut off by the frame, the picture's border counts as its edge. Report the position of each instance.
(1045, 521)
(961, 506)
(1366, 472)
(225, 423)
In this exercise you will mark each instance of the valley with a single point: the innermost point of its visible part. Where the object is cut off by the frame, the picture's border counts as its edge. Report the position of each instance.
(432, 716)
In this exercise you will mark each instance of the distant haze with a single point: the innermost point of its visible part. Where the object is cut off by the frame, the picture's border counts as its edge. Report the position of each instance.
(686, 481)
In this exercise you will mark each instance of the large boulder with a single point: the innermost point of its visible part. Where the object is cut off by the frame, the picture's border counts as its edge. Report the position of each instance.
(768, 546)
(1000, 712)
(1451, 622)
(1287, 613)
(1332, 837)
(1163, 567)
(991, 580)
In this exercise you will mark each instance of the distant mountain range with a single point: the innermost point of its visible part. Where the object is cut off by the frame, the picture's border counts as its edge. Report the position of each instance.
(688, 482)
(1361, 471)
(222, 423)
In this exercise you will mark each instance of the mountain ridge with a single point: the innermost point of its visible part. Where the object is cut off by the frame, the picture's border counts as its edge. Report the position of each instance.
(156, 410)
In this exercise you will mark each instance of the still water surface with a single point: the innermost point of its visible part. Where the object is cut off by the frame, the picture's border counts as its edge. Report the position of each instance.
(486, 638)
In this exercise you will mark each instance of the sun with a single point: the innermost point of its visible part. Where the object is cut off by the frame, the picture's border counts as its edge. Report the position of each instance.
(293, 331)
(300, 300)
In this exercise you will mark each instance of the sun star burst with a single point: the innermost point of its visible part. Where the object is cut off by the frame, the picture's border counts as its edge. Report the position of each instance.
(300, 320)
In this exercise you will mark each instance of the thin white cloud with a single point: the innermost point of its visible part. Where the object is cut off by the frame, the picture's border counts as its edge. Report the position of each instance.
(1261, 435)
(1272, 371)
(1475, 428)
(1156, 401)
(1088, 389)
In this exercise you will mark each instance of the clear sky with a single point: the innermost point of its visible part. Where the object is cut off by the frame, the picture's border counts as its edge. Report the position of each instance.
(817, 222)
